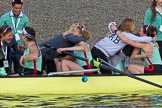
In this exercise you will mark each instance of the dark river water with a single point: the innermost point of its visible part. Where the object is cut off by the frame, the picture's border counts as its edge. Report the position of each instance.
(142, 99)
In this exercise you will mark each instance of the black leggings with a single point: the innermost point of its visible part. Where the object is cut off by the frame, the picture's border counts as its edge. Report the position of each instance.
(29, 72)
(160, 48)
(96, 53)
(49, 66)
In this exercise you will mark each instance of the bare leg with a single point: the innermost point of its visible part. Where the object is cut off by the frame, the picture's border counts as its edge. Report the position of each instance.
(68, 65)
(58, 67)
(136, 69)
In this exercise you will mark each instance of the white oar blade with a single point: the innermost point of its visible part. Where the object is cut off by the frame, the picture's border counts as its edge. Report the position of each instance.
(70, 72)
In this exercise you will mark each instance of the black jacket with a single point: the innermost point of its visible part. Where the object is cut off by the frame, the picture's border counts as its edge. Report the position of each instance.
(58, 42)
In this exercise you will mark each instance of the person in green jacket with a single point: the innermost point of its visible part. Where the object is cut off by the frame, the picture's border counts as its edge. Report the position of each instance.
(17, 20)
(153, 16)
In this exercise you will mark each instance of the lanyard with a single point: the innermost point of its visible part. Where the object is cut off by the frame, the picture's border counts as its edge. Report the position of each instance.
(15, 25)
(4, 51)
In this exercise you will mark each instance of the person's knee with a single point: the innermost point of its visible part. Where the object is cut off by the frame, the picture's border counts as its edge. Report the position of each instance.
(58, 66)
(129, 67)
(64, 61)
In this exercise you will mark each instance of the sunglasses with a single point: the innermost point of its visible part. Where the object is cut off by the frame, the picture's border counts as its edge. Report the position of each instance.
(8, 29)
(17, 0)
(81, 27)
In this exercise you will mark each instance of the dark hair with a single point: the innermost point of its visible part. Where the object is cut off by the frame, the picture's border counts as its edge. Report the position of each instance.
(4, 29)
(154, 4)
(31, 32)
(149, 30)
(17, 2)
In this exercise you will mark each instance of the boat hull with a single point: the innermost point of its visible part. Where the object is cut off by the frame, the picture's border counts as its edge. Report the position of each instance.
(75, 85)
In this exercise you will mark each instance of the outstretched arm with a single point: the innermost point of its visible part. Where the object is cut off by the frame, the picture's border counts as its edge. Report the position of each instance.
(125, 39)
(82, 46)
(146, 47)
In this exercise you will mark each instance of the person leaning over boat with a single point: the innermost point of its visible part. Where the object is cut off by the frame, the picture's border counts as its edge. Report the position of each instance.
(32, 58)
(112, 44)
(81, 49)
(66, 39)
(154, 63)
(153, 16)
(6, 36)
(17, 20)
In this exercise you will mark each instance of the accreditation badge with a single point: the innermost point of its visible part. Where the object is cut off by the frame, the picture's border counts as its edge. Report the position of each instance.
(160, 28)
(17, 37)
(5, 63)
(19, 31)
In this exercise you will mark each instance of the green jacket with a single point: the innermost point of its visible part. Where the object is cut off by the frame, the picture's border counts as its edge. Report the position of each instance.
(16, 22)
(157, 22)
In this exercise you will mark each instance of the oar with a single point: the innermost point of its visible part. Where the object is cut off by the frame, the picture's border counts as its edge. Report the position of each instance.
(109, 67)
(70, 72)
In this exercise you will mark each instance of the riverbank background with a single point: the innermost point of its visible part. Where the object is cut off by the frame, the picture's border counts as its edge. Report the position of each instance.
(51, 17)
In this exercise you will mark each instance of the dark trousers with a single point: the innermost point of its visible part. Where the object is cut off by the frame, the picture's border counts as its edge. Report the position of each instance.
(160, 48)
(48, 65)
(29, 72)
(15, 58)
(96, 53)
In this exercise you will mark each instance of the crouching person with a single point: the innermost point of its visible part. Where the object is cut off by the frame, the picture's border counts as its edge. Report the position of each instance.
(32, 57)
(5, 39)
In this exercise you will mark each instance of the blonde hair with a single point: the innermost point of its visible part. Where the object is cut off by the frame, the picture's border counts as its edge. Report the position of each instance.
(82, 30)
(126, 25)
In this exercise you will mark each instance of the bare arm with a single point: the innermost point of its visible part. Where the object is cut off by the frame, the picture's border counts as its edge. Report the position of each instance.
(136, 54)
(34, 53)
(82, 46)
(147, 53)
